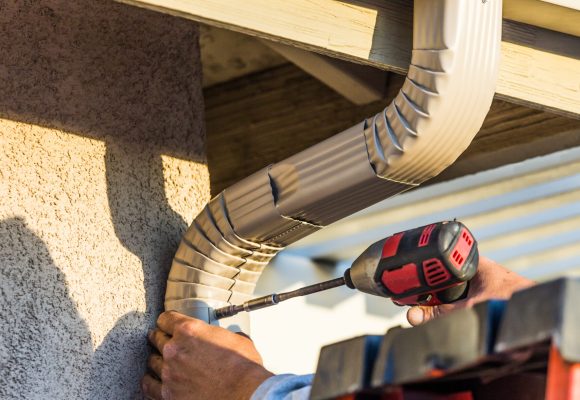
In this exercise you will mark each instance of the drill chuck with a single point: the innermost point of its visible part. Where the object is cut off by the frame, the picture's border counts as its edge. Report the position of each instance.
(251, 305)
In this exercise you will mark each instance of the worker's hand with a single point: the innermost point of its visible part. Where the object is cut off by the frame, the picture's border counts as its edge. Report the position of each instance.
(200, 361)
(492, 281)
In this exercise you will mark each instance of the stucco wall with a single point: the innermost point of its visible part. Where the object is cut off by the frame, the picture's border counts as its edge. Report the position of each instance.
(102, 167)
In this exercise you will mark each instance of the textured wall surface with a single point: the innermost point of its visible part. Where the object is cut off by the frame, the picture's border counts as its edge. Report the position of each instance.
(102, 167)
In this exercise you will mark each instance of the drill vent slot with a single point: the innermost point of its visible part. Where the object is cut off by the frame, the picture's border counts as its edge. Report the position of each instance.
(426, 235)
(462, 249)
(434, 271)
(467, 238)
(457, 257)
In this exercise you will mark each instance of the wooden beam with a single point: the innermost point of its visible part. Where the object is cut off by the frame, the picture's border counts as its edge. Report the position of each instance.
(263, 118)
(560, 16)
(379, 33)
(344, 29)
(228, 55)
(360, 84)
(540, 69)
(511, 133)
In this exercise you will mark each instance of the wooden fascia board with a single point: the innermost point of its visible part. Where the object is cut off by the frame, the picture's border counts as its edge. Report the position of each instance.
(379, 33)
(561, 16)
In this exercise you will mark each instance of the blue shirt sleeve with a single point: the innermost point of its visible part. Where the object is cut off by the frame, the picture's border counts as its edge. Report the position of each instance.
(284, 387)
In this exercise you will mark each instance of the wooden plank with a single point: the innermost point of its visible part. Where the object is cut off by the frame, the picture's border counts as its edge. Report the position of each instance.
(378, 33)
(228, 55)
(266, 117)
(375, 31)
(561, 16)
(511, 133)
(549, 59)
(360, 84)
(565, 3)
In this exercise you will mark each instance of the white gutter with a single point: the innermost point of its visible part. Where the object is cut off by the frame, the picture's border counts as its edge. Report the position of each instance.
(440, 108)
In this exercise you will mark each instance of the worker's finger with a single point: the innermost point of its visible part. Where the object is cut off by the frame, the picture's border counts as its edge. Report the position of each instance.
(159, 339)
(415, 315)
(155, 363)
(418, 315)
(151, 388)
(169, 319)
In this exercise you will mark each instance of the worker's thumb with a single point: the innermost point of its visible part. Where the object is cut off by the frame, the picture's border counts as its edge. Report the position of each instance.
(420, 314)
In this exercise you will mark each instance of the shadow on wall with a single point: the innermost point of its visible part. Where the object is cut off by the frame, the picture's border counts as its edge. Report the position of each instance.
(40, 309)
(128, 77)
(43, 325)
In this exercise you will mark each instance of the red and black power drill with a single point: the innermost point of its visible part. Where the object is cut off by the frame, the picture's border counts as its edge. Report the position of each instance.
(429, 265)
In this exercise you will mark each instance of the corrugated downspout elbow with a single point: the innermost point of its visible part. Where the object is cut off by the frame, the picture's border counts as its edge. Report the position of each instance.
(438, 111)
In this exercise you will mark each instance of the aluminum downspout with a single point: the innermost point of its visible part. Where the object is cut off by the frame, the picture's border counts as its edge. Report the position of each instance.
(436, 114)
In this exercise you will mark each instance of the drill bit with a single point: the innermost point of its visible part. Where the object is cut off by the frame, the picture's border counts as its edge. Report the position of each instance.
(275, 298)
